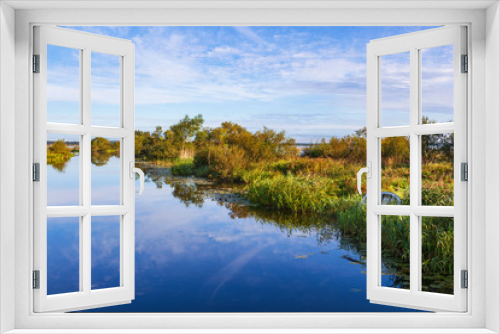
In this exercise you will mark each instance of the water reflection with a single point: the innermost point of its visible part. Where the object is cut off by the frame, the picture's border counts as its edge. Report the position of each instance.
(191, 190)
(197, 191)
(205, 249)
(102, 158)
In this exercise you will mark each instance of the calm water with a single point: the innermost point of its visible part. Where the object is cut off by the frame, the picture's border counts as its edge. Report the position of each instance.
(199, 250)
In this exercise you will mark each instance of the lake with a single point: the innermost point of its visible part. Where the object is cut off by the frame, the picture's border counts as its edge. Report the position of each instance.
(203, 249)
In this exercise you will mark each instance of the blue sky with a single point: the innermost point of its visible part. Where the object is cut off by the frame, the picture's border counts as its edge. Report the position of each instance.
(309, 81)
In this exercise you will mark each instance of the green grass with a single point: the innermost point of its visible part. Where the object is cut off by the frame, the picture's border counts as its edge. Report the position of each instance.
(325, 187)
(186, 167)
(437, 237)
(296, 194)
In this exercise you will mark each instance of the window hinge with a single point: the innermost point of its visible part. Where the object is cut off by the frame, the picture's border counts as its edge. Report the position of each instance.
(36, 279)
(36, 172)
(464, 171)
(465, 279)
(465, 64)
(36, 63)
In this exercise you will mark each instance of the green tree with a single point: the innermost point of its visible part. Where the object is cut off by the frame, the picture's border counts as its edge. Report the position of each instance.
(59, 147)
(361, 132)
(396, 150)
(187, 128)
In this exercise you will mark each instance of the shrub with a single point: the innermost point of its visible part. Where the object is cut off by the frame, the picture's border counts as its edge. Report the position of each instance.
(222, 161)
(183, 167)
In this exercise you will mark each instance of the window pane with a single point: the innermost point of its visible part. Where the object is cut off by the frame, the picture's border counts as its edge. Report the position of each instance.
(105, 252)
(63, 255)
(395, 179)
(437, 84)
(105, 91)
(63, 169)
(395, 89)
(63, 85)
(437, 254)
(106, 175)
(437, 170)
(395, 251)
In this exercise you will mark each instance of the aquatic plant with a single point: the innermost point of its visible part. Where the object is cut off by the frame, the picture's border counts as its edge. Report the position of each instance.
(437, 238)
(294, 193)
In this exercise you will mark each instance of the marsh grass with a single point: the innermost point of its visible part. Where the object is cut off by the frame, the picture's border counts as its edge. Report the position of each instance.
(437, 238)
(325, 188)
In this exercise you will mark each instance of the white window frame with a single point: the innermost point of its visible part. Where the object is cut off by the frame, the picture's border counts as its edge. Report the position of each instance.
(413, 43)
(87, 44)
(483, 103)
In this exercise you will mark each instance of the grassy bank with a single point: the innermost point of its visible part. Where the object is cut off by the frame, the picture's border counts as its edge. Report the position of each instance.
(437, 243)
(325, 187)
(321, 184)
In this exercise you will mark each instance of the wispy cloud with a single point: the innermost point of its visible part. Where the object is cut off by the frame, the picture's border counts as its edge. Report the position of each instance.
(250, 34)
(278, 69)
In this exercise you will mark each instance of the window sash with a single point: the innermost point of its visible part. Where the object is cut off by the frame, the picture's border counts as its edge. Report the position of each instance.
(475, 321)
(414, 298)
(86, 297)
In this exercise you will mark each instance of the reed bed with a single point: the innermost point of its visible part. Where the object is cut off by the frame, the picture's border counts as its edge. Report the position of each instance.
(325, 187)
(437, 237)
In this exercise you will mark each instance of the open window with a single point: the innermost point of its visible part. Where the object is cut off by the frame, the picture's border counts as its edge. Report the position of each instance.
(88, 215)
(402, 81)
(96, 224)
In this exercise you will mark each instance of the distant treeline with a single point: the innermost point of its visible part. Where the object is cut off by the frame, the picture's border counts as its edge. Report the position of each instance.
(230, 147)
(395, 150)
(232, 143)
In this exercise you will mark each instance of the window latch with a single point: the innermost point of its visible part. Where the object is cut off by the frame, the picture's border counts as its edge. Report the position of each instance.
(368, 171)
(133, 170)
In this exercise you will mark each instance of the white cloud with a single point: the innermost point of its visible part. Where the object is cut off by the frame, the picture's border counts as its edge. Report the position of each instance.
(174, 77)
(175, 67)
(63, 93)
(250, 34)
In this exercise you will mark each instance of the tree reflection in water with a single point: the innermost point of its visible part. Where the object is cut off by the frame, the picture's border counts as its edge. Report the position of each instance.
(101, 158)
(197, 191)
(98, 158)
(101, 151)
(192, 191)
(59, 166)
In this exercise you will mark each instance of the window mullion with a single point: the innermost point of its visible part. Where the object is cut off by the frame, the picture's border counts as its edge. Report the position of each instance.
(396, 131)
(414, 168)
(427, 129)
(85, 247)
(406, 210)
(85, 161)
(85, 155)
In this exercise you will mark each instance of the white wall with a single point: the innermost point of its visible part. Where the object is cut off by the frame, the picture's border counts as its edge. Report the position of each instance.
(130, 17)
(7, 160)
(492, 163)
